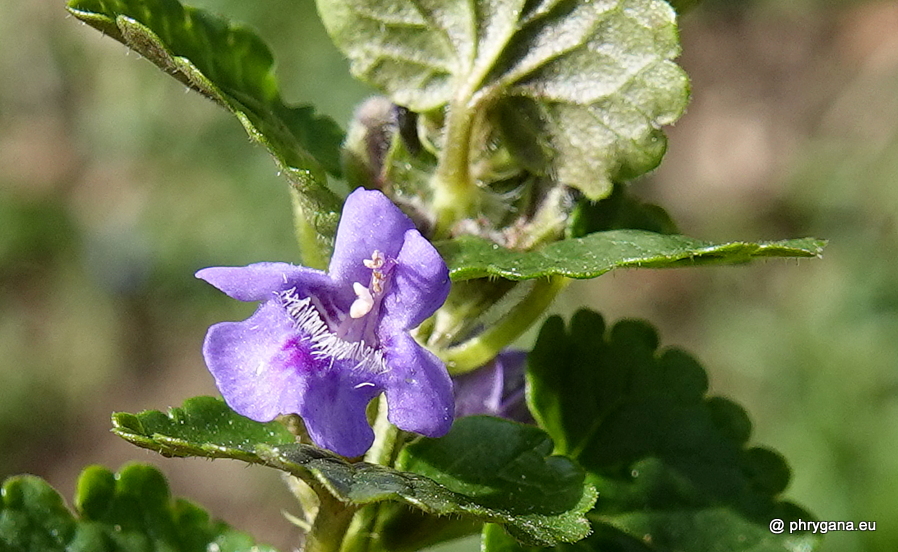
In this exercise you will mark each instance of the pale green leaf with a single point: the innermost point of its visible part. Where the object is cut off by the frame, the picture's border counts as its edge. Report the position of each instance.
(598, 73)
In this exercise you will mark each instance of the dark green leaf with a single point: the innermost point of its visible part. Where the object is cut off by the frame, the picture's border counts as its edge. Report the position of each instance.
(595, 254)
(485, 458)
(207, 427)
(131, 511)
(671, 465)
(362, 483)
(402, 528)
(232, 66)
(599, 74)
(619, 211)
(683, 6)
(508, 467)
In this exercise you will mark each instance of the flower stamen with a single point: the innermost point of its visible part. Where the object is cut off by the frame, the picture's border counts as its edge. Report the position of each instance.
(366, 297)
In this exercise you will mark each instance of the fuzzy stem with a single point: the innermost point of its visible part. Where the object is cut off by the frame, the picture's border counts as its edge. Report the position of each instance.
(386, 436)
(454, 190)
(331, 524)
(312, 254)
(481, 349)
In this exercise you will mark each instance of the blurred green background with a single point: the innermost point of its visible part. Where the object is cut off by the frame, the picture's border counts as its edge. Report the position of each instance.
(116, 186)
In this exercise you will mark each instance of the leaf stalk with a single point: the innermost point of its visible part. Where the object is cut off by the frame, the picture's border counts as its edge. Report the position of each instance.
(454, 189)
(484, 347)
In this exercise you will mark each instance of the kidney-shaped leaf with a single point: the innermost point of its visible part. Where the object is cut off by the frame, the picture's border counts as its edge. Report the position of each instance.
(671, 465)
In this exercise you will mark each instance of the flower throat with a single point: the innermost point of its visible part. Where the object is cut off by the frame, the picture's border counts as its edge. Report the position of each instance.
(354, 338)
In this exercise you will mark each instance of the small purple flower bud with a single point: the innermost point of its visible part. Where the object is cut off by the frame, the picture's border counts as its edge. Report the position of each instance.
(495, 389)
(322, 345)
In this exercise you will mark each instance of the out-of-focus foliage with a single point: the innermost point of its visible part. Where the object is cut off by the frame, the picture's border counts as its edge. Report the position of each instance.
(109, 203)
(115, 187)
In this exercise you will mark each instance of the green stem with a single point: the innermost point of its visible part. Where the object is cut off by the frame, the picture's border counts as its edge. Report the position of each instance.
(386, 436)
(362, 533)
(454, 191)
(467, 301)
(331, 524)
(481, 349)
(313, 254)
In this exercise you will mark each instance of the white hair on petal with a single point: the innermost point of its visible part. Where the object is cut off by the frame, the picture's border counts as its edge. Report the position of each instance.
(325, 343)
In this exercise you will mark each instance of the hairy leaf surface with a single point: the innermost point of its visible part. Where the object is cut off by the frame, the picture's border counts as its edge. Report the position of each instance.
(597, 253)
(672, 466)
(599, 74)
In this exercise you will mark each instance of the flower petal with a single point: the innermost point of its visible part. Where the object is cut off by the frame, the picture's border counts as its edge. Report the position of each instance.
(369, 222)
(263, 369)
(256, 282)
(418, 388)
(480, 391)
(419, 285)
(334, 411)
(254, 363)
(495, 389)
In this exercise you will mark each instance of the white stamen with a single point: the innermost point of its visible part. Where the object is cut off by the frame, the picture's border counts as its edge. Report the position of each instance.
(364, 384)
(365, 302)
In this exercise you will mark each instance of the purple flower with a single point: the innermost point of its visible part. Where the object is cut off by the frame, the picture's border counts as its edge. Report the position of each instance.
(495, 389)
(322, 345)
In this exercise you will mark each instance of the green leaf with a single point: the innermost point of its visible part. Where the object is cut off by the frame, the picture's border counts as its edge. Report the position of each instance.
(507, 467)
(484, 457)
(232, 66)
(683, 6)
(206, 427)
(671, 465)
(598, 74)
(131, 511)
(362, 483)
(595, 254)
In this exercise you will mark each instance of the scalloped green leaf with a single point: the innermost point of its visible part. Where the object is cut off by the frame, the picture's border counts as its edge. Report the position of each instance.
(206, 427)
(599, 74)
(672, 466)
(595, 254)
(131, 511)
(232, 66)
(362, 483)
